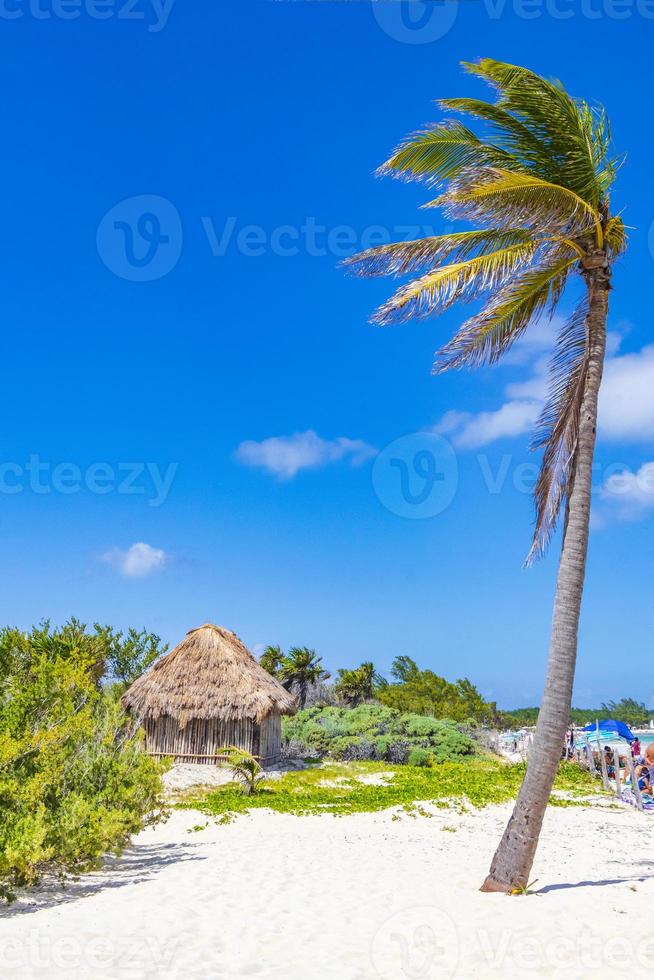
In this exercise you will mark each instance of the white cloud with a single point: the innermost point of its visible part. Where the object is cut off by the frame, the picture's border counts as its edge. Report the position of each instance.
(540, 337)
(137, 561)
(534, 388)
(473, 431)
(626, 408)
(613, 342)
(452, 422)
(632, 494)
(284, 456)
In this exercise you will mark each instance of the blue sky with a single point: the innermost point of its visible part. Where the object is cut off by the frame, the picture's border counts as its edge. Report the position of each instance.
(203, 436)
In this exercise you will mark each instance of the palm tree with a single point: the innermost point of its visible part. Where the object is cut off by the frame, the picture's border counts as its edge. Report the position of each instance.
(300, 668)
(536, 183)
(358, 685)
(271, 659)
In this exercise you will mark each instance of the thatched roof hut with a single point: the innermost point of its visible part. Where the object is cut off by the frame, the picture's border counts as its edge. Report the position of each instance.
(207, 693)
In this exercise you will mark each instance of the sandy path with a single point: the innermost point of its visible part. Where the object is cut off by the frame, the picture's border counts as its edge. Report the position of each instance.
(347, 898)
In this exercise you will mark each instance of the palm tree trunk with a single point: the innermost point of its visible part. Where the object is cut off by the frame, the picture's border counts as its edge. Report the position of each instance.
(514, 856)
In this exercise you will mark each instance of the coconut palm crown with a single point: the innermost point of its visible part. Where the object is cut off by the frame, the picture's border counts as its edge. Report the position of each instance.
(536, 187)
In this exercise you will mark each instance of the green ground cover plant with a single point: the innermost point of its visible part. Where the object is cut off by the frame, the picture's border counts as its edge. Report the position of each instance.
(367, 787)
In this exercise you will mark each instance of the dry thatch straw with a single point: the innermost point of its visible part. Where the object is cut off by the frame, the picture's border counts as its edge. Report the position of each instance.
(210, 674)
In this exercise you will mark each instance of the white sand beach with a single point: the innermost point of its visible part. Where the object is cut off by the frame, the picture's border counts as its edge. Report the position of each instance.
(346, 898)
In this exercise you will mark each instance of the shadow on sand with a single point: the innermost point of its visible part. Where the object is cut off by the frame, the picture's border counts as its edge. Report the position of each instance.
(136, 864)
(592, 884)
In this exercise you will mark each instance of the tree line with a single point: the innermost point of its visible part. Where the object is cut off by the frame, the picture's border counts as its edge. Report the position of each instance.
(410, 689)
(632, 712)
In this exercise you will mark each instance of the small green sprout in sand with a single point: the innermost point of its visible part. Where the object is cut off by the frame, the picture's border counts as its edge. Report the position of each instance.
(523, 889)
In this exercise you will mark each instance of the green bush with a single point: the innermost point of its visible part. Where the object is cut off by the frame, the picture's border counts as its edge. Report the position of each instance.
(74, 781)
(352, 747)
(373, 732)
(419, 726)
(420, 757)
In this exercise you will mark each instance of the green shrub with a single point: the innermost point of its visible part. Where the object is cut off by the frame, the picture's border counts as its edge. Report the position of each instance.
(74, 781)
(374, 732)
(420, 757)
(351, 748)
(419, 726)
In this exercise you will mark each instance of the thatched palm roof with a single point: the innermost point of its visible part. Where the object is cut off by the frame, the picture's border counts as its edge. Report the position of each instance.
(209, 675)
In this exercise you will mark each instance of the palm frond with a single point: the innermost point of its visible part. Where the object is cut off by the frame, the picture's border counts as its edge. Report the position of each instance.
(616, 235)
(459, 281)
(535, 181)
(569, 130)
(511, 135)
(485, 337)
(558, 426)
(440, 152)
(499, 196)
(402, 258)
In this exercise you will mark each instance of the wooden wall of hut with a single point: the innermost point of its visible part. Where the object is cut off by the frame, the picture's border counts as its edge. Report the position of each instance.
(270, 740)
(201, 739)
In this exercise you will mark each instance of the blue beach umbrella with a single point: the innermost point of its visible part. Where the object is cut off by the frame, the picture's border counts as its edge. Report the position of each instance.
(609, 726)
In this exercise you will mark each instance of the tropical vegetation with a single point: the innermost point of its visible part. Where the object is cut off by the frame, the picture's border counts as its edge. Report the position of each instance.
(355, 686)
(296, 670)
(533, 178)
(367, 787)
(74, 782)
(424, 692)
(243, 768)
(410, 689)
(374, 732)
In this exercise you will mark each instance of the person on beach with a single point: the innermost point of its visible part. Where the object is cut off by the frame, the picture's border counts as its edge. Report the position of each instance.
(635, 747)
(642, 775)
(608, 756)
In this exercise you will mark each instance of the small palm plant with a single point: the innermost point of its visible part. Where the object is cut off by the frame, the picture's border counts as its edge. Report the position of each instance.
(535, 183)
(243, 766)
